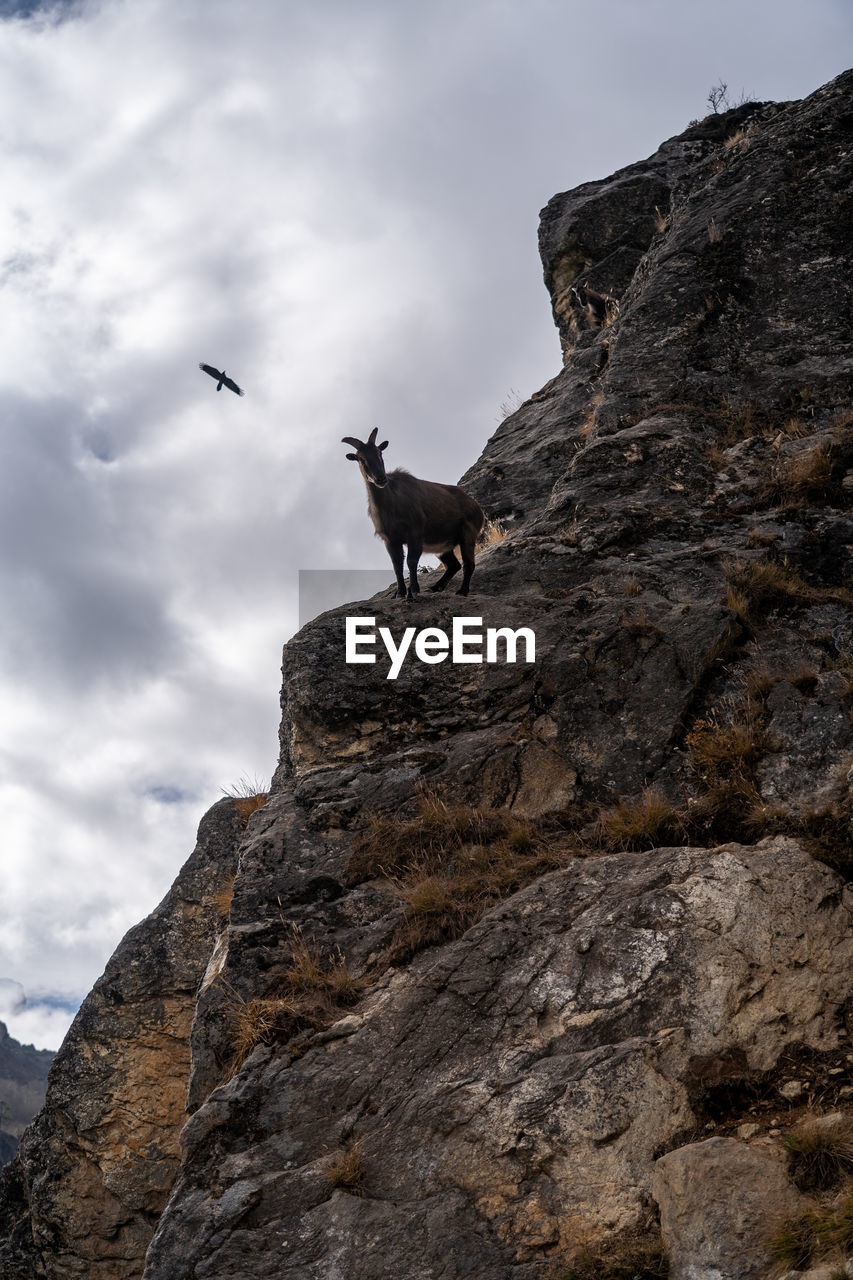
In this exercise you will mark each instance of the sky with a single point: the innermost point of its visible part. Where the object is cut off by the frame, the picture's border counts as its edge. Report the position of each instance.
(337, 201)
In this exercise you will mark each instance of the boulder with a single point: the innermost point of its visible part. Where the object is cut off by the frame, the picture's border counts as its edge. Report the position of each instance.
(719, 1201)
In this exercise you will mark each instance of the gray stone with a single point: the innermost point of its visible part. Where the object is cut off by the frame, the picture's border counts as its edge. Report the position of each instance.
(718, 1203)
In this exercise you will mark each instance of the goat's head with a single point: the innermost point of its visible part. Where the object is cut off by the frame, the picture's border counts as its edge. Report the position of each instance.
(368, 455)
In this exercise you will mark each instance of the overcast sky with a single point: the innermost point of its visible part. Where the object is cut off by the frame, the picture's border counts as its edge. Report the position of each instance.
(338, 201)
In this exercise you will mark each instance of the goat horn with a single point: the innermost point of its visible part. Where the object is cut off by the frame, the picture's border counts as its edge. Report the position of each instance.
(357, 444)
(371, 439)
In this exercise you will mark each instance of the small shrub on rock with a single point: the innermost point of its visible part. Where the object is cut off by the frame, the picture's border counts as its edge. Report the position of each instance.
(645, 823)
(348, 1169)
(815, 1235)
(820, 1154)
(312, 992)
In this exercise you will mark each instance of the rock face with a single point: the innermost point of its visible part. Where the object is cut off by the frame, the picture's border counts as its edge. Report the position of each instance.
(510, 1093)
(23, 1080)
(457, 1031)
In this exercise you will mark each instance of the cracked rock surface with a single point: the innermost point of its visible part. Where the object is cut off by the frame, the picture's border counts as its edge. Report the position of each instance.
(510, 1092)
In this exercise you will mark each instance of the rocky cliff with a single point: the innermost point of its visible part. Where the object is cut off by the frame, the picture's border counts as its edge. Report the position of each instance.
(539, 970)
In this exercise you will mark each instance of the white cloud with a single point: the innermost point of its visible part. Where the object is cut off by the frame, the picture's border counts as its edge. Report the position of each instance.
(339, 203)
(42, 1024)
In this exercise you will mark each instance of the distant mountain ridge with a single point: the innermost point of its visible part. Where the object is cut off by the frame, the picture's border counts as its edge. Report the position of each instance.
(23, 1082)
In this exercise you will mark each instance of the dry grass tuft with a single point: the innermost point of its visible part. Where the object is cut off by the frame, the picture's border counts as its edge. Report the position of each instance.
(258, 1021)
(820, 1155)
(758, 682)
(816, 476)
(221, 899)
(639, 1259)
(348, 1169)
(448, 865)
(724, 748)
(729, 741)
(815, 1235)
(312, 992)
(645, 823)
(311, 973)
(794, 1244)
(493, 531)
(758, 586)
(795, 429)
(442, 898)
(739, 420)
(805, 480)
(587, 424)
(511, 405)
(248, 795)
(828, 835)
(804, 678)
(760, 538)
(741, 605)
(390, 846)
(639, 624)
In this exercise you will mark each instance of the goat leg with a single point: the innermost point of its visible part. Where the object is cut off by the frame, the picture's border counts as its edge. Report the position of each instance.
(466, 546)
(414, 555)
(451, 566)
(395, 551)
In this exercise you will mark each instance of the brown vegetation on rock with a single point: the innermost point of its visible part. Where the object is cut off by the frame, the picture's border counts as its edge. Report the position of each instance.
(311, 992)
(449, 864)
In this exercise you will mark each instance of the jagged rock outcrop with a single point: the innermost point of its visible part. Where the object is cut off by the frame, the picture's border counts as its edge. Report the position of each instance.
(23, 1080)
(493, 1097)
(599, 232)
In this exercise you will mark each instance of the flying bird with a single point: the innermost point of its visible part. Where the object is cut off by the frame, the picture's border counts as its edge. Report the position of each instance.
(222, 379)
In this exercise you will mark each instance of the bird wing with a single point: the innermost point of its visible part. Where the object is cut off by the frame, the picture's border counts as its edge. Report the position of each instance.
(233, 386)
(208, 368)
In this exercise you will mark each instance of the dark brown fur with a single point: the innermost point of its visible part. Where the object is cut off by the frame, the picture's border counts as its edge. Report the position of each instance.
(596, 307)
(420, 515)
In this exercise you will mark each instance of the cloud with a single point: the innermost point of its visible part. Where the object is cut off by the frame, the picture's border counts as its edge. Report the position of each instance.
(41, 1023)
(339, 204)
